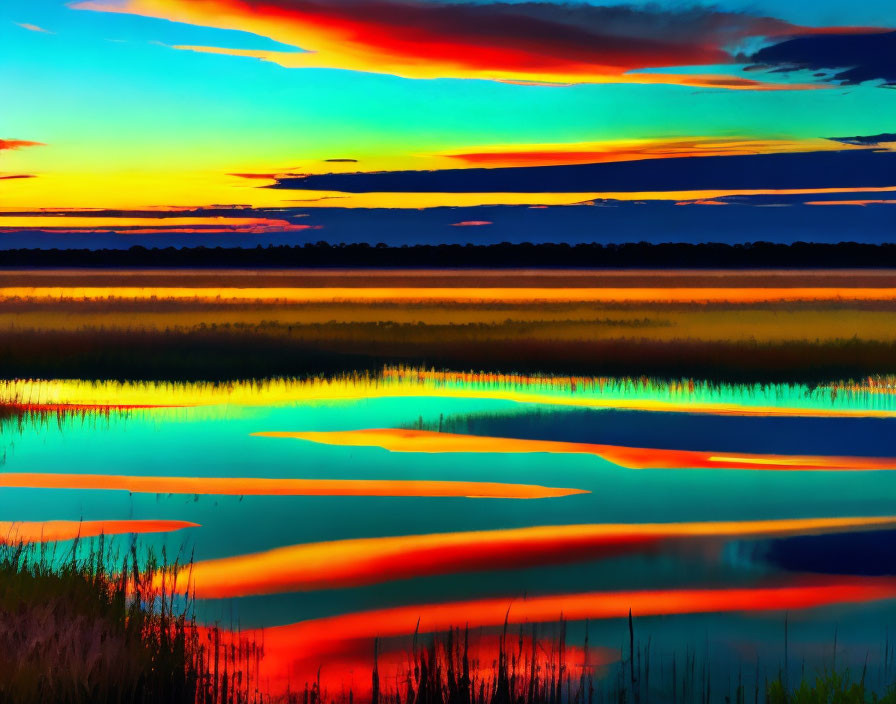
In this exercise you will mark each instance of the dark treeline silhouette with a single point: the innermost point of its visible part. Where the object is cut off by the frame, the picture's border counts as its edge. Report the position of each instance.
(504, 255)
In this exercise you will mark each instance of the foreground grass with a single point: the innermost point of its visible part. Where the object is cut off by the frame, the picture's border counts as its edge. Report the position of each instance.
(544, 669)
(827, 688)
(73, 632)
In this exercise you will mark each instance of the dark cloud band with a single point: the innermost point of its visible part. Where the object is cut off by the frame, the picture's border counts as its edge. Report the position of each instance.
(853, 168)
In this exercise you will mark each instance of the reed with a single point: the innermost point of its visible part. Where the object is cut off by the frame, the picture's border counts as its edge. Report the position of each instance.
(828, 687)
(533, 668)
(526, 668)
(89, 626)
(235, 352)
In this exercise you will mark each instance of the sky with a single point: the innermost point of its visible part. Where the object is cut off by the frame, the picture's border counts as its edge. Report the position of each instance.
(334, 119)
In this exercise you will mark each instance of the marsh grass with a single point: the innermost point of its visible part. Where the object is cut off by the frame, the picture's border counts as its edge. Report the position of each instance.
(828, 687)
(529, 668)
(230, 352)
(445, 669)
(224, 338)
(92, 627)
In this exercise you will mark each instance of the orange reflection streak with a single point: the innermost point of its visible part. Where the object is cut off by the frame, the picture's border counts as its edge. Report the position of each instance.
(348, 664)
(48, 531)
(315, 637)
(364, 561)
(401, 440)
(251, 486)
(351, 662)
(458, 294)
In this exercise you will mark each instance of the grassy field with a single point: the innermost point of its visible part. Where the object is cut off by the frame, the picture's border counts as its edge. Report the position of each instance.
(547, 322)
(156, 335)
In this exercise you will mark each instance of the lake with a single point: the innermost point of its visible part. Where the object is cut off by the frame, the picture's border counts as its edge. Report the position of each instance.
(321, 514)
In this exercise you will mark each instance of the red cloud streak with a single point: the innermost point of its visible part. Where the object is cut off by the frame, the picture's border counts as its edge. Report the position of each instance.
(529, 41)
(6, 144)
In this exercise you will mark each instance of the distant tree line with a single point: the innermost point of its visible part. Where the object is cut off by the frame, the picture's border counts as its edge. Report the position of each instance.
(503, 255)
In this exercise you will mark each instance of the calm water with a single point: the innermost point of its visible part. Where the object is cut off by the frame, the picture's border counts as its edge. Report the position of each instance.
(205, 431)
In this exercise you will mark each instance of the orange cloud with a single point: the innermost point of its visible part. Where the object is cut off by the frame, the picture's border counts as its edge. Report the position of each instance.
(268, 177)
(288, 59)
(33, 27)
(402, 440)
(631, 150)
(18, 144)
(251, 486)
(528, 42)
(49, 531)
(75, 224)
(472, 223)
(52, 222)
(365, 561)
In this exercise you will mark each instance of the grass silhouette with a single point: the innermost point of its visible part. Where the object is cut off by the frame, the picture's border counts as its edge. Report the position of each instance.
(93, 629)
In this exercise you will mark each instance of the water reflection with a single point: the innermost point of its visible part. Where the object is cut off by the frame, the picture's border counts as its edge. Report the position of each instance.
(330, 511)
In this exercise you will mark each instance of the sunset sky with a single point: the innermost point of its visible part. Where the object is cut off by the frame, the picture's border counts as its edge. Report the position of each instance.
(167, 105)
